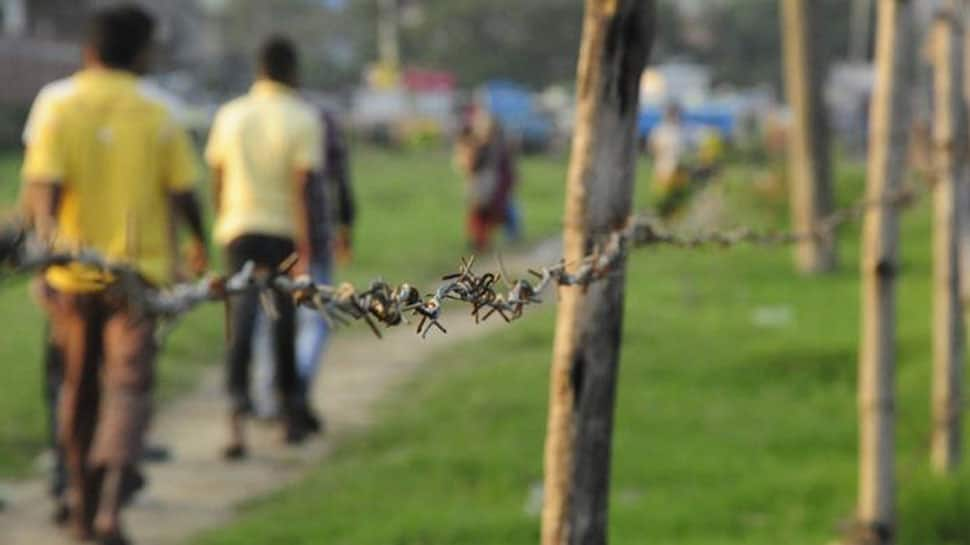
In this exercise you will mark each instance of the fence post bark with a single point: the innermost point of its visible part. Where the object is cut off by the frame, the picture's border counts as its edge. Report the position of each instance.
(809, 154)
(963, 187)
(616, 42)
(890, 119)
(950, 142)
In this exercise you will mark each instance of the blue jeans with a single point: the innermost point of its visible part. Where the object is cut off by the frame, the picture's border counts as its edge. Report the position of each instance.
(513, 221)
(313, 331)
(312, 334)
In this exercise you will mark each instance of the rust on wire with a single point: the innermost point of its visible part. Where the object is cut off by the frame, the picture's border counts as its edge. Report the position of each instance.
(383, 305)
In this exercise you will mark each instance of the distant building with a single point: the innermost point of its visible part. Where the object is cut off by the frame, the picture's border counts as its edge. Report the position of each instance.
(39, 40)
(38, 44)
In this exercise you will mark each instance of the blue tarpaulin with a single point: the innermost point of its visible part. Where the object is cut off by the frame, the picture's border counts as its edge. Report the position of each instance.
(719, 118)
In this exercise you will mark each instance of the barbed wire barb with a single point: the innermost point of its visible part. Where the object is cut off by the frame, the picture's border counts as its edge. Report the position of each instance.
(383, 305)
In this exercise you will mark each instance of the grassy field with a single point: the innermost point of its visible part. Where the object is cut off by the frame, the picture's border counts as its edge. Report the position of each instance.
(411, 228)
(736, 419)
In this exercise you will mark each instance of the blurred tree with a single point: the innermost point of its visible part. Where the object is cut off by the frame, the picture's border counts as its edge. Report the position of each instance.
(330, 34)
(533, 42)
(740, 39)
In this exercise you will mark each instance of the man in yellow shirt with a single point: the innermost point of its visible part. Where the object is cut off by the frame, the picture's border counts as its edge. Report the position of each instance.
(263, 148)
(53, 362)
(106, 167)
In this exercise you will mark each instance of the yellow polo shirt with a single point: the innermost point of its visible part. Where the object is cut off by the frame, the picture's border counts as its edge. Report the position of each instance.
(118, 153)
(260, 142)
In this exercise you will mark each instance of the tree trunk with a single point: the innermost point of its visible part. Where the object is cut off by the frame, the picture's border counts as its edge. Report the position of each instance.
(617, 36)
(949, 138)
(809, 153)
(890, 119)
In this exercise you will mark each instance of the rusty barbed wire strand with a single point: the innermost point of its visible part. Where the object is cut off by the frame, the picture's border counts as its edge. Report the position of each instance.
(383, 305)
(646, 231)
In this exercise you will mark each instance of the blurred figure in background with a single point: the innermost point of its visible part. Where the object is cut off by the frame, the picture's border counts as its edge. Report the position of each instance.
(683, 161)
(265, 149)
(105, 166)
(668, 148)
(332, 210)
(485, 158)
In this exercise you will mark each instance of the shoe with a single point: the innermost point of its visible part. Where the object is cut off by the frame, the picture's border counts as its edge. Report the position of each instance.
(132, 483)
(80, 530)
(113, 538)
(237, 437)
(61, 514)
(234, 453)
(295, 429)
(295, 433)
(313, 423)
(156, 454)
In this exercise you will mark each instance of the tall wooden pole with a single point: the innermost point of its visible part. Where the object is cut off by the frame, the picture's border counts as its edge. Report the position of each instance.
(809, 154)
(617, 36)
(962, 8)
(890, 118)
(950, 161)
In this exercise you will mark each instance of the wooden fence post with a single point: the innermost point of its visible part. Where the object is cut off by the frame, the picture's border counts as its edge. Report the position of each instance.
(950, 153)
(963, 188)
(890, 119)
(809, 155)
(617, 37)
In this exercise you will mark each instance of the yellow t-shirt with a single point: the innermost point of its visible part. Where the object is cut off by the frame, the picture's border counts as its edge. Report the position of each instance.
(118, 153)
(260, 142)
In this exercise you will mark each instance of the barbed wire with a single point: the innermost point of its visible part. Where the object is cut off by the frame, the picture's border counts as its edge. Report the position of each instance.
(383, 305)
(647, 231)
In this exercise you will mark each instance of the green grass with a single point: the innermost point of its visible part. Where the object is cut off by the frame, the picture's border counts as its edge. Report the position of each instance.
(411, 228)
(727, 431)
(412, 212)
(9, 169)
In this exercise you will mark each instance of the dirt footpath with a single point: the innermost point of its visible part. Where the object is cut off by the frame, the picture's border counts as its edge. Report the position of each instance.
(196, 490)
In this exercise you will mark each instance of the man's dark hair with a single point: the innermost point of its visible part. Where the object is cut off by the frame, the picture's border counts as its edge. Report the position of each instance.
(121, 34)
(279, 61)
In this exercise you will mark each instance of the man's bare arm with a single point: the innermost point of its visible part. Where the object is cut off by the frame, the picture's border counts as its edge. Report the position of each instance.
(301, 180)
(186, 206)
(41, 202)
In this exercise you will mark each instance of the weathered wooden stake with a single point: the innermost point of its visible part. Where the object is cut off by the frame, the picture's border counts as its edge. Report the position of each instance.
(890, 118)
(950, 162)
(962, 11)
(617, 36)
(809, 154)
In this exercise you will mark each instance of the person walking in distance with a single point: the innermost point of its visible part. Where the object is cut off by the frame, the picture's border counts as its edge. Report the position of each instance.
(264, 149)
(332, 211)
(106, 167)
(484, 156)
